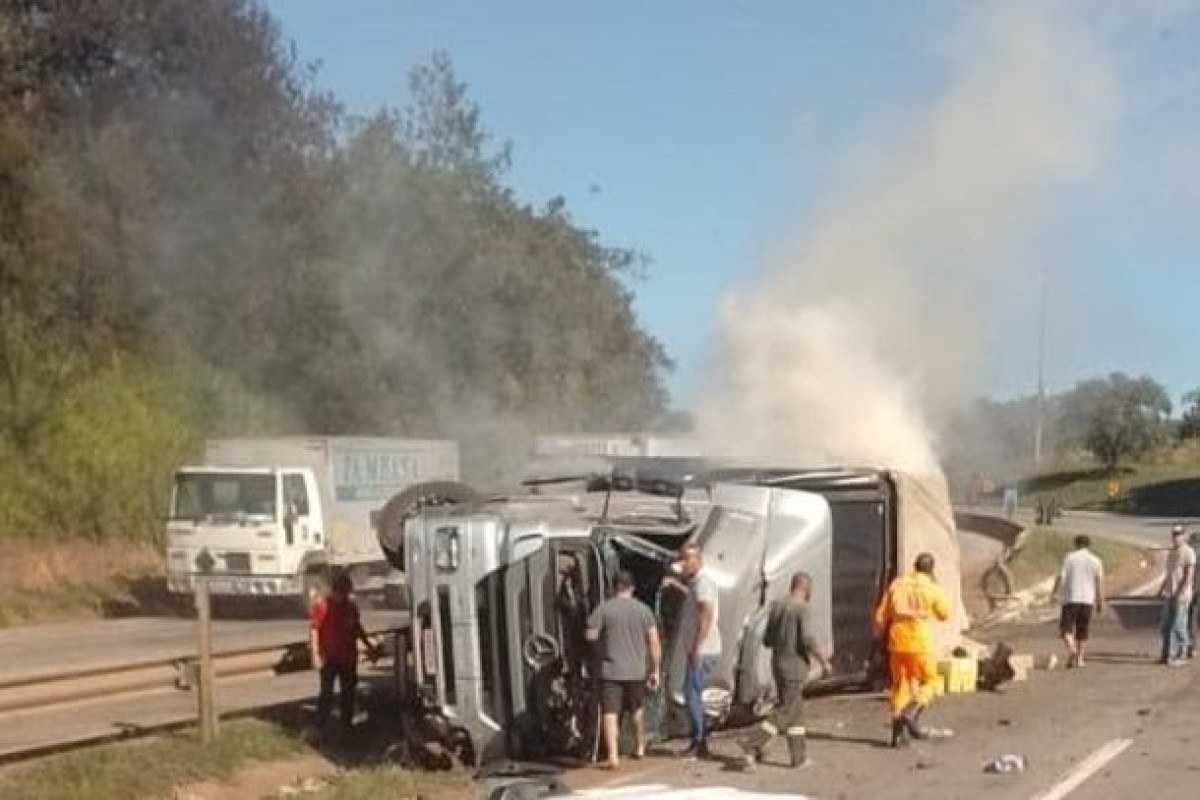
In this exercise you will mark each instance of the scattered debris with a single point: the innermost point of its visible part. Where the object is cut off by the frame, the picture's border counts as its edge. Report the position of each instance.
(1006, 764)
(1004, 723)
(1143, 712)
(1021, 665)
(1048, 661)
(996, 669)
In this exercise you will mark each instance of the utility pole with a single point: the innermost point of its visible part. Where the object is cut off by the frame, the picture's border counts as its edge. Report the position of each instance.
(1040, 421)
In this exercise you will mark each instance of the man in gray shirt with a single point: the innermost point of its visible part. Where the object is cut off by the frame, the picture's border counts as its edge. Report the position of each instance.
(625, 630)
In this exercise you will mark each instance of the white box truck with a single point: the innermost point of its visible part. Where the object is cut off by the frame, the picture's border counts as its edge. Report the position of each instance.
(269, 517)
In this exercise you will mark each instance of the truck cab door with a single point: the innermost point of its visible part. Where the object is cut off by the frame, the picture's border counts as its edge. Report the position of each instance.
(301, 510)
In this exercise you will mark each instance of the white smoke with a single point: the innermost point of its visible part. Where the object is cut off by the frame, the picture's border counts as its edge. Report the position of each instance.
(873, 319)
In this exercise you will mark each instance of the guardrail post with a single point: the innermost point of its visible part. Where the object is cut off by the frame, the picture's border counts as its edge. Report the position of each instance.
(204, 686)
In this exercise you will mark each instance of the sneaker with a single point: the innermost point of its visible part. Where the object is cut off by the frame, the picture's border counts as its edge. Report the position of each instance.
(1177, 662)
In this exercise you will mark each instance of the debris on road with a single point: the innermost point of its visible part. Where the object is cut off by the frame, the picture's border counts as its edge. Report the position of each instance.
(996, 669)
(1021, 665)
(1006, 764)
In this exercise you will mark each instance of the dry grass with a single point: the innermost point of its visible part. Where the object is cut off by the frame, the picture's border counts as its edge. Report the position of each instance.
(52, 580)
(150, 769)
(394, 783)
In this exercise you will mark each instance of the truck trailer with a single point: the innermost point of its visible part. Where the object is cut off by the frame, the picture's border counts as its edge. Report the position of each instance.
(269, 517)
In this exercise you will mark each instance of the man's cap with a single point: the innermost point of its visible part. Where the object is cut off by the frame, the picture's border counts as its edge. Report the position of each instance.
(1177, 530)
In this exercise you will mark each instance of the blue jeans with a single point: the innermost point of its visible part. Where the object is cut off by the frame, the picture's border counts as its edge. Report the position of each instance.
(1175, 634)
(693, 695)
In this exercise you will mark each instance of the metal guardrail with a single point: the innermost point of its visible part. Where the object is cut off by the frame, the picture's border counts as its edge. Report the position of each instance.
(26, 695)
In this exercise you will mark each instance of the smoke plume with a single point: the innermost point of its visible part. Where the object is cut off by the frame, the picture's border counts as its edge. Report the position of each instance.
(883, 310)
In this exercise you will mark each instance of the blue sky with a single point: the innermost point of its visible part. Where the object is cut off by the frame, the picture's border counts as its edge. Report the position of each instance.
(710, 129)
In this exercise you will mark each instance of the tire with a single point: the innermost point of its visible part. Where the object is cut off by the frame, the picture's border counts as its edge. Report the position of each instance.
(408, 503)
(997, 584)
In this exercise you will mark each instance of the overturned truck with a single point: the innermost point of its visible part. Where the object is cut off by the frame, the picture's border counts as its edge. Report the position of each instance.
(495, 664)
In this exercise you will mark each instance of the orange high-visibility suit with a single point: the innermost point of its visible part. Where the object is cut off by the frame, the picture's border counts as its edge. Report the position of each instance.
(904, 613)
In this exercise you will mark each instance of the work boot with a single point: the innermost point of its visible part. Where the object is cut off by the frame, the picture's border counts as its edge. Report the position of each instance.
(899, 733)
(911, 717)
(797, 747)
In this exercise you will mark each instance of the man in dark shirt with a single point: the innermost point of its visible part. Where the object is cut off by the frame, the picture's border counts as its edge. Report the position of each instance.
(789, 635)
(625, 630)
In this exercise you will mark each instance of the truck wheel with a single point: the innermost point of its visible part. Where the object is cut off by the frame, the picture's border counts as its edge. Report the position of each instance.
(409, 503)
(997, 584)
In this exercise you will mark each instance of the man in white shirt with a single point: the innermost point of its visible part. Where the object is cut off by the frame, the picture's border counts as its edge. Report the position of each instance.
(698, 623)
(1082, 582)
(1177, 590)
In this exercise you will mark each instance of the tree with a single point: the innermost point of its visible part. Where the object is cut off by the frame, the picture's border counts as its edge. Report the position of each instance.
(191, 231)
(1118, 416)
(1189, 423)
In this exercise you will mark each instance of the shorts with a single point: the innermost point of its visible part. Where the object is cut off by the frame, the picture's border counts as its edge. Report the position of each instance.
(618, 696)
(1076, 620)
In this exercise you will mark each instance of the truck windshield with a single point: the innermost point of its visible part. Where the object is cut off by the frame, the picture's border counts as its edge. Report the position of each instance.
(204, 495)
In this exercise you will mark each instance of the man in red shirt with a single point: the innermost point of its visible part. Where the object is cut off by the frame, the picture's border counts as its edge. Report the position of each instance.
(334, 636)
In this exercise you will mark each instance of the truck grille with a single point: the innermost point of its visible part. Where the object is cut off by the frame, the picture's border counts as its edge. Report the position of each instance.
(237, 562)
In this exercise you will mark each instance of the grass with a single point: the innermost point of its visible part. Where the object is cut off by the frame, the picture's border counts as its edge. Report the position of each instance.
(51, 580)
(152, 769)
(394, 783)
(1044, 549)
(1078, 482)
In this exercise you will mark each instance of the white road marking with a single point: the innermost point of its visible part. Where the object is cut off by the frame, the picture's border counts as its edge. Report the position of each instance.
(1085, 769)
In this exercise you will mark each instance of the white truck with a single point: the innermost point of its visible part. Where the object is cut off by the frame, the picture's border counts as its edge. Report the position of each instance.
(269, 517)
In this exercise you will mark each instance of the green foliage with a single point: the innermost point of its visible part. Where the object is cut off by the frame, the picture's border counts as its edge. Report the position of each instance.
(194, 240)
(1118, 416)
(1189, 423)
(120, 772)
(1045, 548)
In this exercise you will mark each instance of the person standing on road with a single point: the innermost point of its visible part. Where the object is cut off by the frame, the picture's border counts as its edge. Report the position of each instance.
(335, 630)
(793, 648)
(1194, 609)
(1177, 592)
(626, 631)
(903, 617)
(698, 624)
(1082, 582)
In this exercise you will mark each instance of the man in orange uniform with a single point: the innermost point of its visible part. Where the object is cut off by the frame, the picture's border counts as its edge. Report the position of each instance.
(904, 616)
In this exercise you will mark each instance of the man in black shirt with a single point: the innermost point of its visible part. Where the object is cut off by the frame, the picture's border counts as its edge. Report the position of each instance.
(789, 635)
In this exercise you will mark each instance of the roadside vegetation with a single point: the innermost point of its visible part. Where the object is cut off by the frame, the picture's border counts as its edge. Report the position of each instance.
(60, 580)
(394, 783)
(1044, 549)
(1108, 444)
(150, 769)
(196, 240)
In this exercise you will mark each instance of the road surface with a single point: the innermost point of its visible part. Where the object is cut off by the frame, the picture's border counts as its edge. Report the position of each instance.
(1134, 530)
(41, 650)
(1136, 722)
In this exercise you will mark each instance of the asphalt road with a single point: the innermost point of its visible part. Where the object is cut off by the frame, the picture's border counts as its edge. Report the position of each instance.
(1135, 530)
(48, 649)
(1060, 720)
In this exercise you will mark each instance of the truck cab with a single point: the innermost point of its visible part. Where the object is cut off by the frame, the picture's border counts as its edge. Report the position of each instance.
(501, 591)
(495, 664)
(254, 532)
